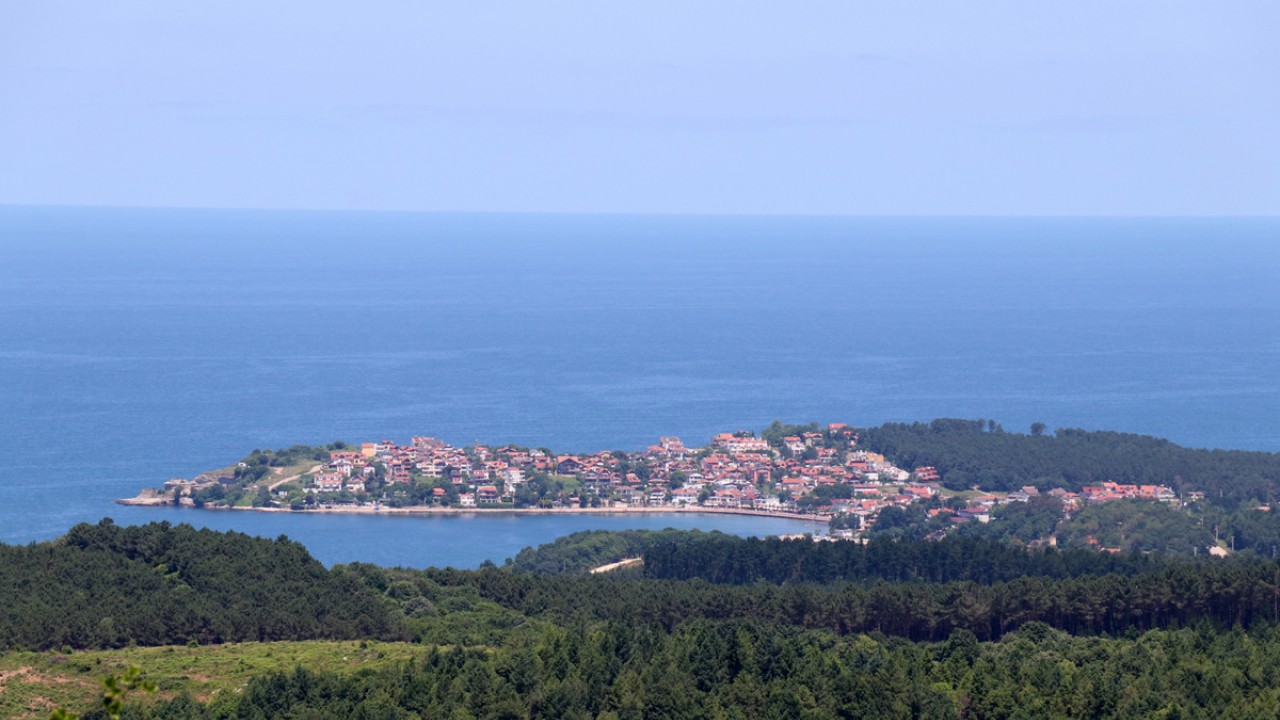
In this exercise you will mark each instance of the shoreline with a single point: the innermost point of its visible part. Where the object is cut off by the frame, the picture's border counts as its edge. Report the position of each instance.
(435, 510)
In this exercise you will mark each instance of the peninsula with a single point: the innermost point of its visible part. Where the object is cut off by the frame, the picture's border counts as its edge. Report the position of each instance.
(918, 480)
(790, 471)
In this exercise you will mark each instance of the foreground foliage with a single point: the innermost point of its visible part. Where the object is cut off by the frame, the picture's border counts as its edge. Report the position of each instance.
(729, 559)
(756, 670)
(712, 627)
(33, 683)
(104, 586)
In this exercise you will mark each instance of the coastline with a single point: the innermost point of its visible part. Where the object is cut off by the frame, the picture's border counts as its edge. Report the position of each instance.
(436, 510)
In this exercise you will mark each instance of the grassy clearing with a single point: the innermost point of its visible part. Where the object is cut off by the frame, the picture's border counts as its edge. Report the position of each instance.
(227, 470)
(571, 483)
(33, 684)
(280, 473)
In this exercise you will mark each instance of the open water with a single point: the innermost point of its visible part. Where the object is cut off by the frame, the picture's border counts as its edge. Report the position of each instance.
(137, 345)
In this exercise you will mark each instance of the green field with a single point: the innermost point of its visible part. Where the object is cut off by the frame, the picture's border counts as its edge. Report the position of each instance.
(33, 684)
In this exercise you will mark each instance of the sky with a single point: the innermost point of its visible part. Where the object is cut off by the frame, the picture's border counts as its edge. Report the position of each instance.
(1113, 107)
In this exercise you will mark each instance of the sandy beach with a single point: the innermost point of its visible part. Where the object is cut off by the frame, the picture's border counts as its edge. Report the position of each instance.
(151, 501)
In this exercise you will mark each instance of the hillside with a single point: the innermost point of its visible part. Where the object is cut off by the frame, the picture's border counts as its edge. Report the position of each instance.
(711, 626)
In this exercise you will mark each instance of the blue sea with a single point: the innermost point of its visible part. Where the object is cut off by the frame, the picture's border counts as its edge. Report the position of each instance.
(138, 345)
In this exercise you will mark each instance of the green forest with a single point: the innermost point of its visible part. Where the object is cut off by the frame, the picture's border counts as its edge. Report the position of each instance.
(1238, 487)
(981, 452)
(711, 626)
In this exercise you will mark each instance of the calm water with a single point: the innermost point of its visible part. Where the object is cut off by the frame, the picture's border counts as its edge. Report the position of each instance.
(139, 345)
(454, 540)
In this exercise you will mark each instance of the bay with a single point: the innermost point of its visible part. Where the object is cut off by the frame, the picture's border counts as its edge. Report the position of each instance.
(137, 345)
(463, 540)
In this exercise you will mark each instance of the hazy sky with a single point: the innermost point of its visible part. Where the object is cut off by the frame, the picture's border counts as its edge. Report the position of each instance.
(895, 107)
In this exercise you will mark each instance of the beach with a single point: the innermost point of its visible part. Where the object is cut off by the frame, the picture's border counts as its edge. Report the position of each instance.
(146, 500)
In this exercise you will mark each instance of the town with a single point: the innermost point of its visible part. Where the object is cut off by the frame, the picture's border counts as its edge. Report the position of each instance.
(809, 472)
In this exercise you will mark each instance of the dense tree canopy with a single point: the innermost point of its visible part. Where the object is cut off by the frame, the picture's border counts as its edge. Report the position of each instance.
(108, 586)
(582, 551)
(714, 626)
(745, 670)
(734, 560)
(967, 453)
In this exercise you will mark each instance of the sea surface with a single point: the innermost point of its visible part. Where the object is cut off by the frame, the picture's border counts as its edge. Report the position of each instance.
(139, 345)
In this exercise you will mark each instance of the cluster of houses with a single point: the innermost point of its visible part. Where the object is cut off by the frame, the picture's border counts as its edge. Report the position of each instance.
(811, 473)
(734, 471)
(1112, 491)
(979, 507)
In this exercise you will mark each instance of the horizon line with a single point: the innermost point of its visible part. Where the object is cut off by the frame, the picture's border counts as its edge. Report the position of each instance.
(650, 213)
